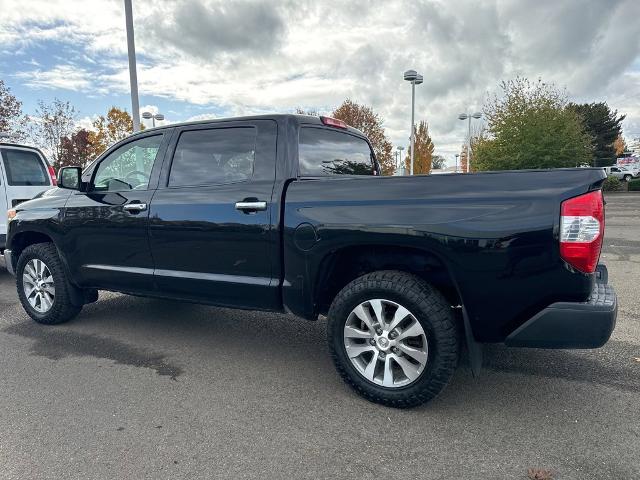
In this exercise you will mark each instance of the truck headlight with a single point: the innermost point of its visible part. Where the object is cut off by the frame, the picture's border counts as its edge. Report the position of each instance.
(11, 214)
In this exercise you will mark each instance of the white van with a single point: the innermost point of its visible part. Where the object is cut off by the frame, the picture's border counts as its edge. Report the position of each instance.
(24, 173)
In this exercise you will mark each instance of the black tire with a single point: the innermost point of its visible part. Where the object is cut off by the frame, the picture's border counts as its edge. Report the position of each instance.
(627, 178)
(430, 309)
(62, 308)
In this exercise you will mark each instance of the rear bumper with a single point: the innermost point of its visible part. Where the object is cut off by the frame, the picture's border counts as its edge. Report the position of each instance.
(571, 325)
(9, 261)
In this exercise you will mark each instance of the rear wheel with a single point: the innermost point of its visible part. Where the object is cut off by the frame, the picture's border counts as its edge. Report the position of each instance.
(393, 338)
(42, 286)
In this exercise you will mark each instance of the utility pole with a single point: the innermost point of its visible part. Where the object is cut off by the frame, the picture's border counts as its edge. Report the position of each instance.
(133, 75)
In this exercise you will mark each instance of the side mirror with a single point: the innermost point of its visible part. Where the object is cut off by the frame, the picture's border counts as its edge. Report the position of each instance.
(69, 177)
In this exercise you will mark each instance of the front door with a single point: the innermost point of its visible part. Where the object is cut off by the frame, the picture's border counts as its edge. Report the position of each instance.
(211, 219)
(106, 228)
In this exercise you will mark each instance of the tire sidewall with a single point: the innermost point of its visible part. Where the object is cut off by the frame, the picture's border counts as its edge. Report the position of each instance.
(422, 311)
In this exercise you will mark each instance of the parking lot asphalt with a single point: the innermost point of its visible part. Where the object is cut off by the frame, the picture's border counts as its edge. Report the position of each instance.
(141, 388)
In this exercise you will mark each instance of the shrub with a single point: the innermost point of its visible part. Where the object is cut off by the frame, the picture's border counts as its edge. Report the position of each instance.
(634, 185)
(612, 184)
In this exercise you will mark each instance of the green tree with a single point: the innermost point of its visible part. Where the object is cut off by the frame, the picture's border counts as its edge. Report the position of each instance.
(604, 126)
(366, 120)
(530, 126)
(424, 151)
(12, 122)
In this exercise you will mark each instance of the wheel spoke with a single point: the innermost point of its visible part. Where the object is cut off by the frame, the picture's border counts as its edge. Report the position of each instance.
(29, 292)
(377, 309)
(352, 332)
(358, 349)
(370, 371)
(29, 270)
(363, 315)
(413, 330)
(401, 314)
(387, 379)
(418, 355)
(410, 370)
(41, 267)
(45, 301)
(49, 289)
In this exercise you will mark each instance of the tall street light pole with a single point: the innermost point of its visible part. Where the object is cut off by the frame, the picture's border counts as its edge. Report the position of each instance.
(416, 79)
(465, 116)
(133, 75)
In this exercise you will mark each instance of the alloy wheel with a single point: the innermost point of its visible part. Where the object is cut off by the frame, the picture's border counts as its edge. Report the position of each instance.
(386, 343)
(38, 286)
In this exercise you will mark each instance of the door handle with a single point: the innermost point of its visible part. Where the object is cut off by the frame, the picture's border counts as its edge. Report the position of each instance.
(135, 207)
(252, 206)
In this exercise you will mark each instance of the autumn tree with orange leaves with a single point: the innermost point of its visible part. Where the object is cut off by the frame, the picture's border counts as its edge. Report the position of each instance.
(424, 151)
(368, 122)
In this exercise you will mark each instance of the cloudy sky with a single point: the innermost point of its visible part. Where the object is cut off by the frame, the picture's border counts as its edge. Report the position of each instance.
(209, 58)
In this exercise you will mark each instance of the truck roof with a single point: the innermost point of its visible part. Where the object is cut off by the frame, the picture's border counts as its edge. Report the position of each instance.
(300, 119)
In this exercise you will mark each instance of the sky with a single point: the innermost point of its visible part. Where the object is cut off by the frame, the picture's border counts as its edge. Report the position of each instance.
(208, 58)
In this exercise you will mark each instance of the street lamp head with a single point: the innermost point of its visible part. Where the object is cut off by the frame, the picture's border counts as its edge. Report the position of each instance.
(463, 116)
(400, 147)
(418, 79)
(410, 75)
(147, 115)
(158, 116)
(476, 115)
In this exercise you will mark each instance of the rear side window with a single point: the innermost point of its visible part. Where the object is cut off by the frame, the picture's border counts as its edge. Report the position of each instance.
(24, 168)
(328, 152)
(213, 156)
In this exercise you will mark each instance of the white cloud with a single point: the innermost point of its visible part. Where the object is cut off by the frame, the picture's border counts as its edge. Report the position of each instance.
(65, 77)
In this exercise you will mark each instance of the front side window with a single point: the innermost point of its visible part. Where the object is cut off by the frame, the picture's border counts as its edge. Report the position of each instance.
(213, 156)
(328, 152)
(128, 167)
(24, 168)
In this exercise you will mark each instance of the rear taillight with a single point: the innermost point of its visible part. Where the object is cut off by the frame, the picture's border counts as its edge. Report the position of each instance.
(581, 230)
(52, 174)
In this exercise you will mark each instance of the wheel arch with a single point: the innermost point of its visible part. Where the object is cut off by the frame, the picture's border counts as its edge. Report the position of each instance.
(339, 267)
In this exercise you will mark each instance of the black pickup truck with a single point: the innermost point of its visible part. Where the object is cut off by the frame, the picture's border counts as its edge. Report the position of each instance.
(289, 213)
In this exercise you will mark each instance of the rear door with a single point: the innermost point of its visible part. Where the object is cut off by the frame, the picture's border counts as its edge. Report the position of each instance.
(211, 226)
(106, 228)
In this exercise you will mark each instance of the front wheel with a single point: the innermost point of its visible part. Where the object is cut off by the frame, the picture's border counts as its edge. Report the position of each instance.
(42, 286)
(393, 338)
(627, 178)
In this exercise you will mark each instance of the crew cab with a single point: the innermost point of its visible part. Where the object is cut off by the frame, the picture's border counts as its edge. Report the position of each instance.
(24, 173)
(289, 213)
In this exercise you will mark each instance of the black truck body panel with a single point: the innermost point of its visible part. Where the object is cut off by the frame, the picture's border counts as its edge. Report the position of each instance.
(495, 233)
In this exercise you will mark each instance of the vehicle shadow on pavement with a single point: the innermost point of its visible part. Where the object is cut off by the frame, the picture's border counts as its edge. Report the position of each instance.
(167, 336)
